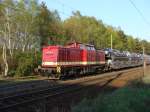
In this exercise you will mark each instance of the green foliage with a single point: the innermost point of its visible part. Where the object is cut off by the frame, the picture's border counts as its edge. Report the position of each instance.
(49, 25)
(11, 72)
(25, 65)
(26, 62)
(37, 59)
(129, 99)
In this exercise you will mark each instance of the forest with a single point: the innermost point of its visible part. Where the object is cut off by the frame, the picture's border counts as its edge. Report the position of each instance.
(27, 26)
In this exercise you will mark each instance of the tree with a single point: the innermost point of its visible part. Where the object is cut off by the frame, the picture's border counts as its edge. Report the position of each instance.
(26, 23)
(131, 43)
(49, 25)
(6, 31)
(138, 46)
(123, 39)
(17, 28)
(85, 29)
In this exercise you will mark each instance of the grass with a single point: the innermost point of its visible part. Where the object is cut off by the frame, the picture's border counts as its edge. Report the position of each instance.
(146, 79)
(133, 98)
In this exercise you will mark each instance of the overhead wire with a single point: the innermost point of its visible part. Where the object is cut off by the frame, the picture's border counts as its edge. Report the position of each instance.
(140, 13)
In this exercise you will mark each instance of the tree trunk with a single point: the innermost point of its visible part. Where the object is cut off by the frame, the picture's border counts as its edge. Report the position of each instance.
(23, 48)
(5, 60)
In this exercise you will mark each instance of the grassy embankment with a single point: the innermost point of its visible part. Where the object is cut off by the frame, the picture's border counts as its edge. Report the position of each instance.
(132, 98)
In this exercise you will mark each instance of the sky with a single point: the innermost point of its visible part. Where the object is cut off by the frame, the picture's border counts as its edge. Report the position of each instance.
(117, 13)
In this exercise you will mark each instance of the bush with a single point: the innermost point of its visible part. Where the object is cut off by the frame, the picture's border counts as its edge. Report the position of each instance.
(37, 59)
(11, 72)
(21, 64)
(25, 65)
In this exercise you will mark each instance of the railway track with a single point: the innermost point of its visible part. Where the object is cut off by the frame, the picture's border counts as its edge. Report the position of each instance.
(7, 90)
(37, 95)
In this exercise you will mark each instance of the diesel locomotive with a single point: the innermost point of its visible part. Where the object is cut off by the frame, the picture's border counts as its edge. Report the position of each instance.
(78, 58)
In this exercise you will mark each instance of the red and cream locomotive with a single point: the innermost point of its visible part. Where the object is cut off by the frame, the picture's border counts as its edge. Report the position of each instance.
(74, 58)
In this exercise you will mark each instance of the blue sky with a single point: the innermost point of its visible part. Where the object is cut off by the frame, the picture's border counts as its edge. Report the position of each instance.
(118, 13)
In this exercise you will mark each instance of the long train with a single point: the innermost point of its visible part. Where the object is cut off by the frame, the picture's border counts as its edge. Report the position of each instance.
(77, 58)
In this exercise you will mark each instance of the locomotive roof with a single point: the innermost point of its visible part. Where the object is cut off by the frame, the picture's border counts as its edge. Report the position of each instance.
(51, 46)
(80, 43)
